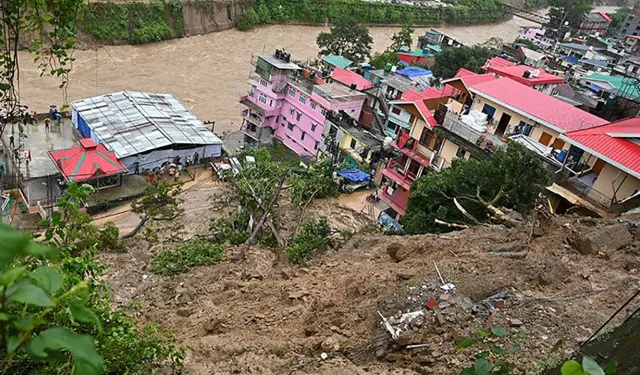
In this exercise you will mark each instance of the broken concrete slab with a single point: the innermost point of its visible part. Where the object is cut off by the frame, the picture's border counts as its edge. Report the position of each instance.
(611, 237)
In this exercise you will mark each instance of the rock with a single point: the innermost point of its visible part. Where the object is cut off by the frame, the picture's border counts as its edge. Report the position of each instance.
(515, 322)
(439, 318)
(297, 294)
(330, 344)
(393, 250)
(186, 312)
(611, 237)
(310, 330)
(214, 325)
(405, 275)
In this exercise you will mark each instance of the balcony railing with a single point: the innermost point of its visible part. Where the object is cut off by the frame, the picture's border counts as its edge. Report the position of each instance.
(484, 140)
(570, 182)
(395, 198)
(252, 117)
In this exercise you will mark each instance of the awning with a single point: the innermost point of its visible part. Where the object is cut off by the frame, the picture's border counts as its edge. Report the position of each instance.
(354, 175)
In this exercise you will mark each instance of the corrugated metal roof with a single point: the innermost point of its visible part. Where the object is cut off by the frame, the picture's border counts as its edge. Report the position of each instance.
(132, 122)
(613, 142)
(338, 61)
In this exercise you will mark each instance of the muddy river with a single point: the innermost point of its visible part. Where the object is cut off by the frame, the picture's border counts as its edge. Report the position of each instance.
(209, 72)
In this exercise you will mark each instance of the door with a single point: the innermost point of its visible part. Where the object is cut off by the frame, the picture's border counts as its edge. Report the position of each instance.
(489, 110)
(503, 124)
(597, 167)
(545, 138)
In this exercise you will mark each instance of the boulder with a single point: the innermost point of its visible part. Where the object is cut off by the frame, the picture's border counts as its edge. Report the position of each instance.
(611, 237)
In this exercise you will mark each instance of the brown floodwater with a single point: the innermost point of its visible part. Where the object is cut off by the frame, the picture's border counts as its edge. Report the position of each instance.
(209, 72)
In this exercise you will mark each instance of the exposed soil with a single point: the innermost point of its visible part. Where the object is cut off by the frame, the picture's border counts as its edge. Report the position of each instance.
(254, 313)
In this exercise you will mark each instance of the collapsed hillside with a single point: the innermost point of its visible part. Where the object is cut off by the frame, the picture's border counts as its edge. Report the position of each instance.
(255, 313)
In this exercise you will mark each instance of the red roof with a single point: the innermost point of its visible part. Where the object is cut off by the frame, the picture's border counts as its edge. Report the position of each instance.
(605, 16)
(417, 99)
(633, 36)
(86, 160)
(464, 72)
(561, 116)
(612, 143)
(516, 73)
(497, 61)
(348, 78)
(469, 79)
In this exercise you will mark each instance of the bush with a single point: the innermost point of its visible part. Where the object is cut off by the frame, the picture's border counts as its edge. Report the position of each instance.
(223, 231)
(247, 21)
(184, 256)
(312, 238)
(109, 238)
(315, 182)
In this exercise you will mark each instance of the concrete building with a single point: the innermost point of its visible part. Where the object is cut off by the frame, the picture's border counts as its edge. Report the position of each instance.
(631, 24)
(536, 78)
(595, 23)
(538, 35)
(290, 103)
(632, 44)
(603, 164)
(145, 130)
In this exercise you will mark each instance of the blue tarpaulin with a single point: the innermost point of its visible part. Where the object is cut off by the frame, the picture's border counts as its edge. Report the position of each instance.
(354, 175)
(593, 87)
(413, 72)
(571, 60)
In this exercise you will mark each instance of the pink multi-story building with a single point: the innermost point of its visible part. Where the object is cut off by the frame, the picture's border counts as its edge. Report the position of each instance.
(290, 103)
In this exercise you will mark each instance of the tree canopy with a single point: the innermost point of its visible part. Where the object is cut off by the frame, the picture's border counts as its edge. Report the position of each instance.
(402, 38)
(617, 18)
(381, 59)
(511, 178)
(571, 11)
(450, 60)
(347, 39)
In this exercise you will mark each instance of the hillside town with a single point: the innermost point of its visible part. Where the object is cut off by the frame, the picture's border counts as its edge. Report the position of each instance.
(434, 207)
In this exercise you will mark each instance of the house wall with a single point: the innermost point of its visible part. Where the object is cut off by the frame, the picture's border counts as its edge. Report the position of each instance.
(538, 129)
(448, 151)
(625, 186)
(345, 145)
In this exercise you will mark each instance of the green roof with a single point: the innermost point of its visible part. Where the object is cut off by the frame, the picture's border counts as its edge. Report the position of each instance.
(419, 53)
(434, 47)
(338, 61)
(433, 32)
(405, 49)
(621, 89)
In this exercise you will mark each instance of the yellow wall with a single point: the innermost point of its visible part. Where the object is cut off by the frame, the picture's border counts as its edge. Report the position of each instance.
(449, 150)
(604, 185)
(538, 129)
(345, 145)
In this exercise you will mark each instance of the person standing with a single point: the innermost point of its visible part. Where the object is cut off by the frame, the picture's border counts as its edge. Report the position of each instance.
(46, 125)
(11, 141)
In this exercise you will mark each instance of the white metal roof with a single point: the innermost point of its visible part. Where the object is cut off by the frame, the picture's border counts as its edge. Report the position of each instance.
(132, 122)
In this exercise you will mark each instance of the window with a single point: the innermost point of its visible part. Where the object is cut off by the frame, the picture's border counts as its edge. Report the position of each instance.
(302, 136)
(298, 115)
(427, 137)
(353, 143)
(263, 98)
(270, 103)
(317, 144)
(312, 104)
(292, 92)
(303, 99)
(263, 82)
(461, 153)
(395, 110)
(313, 127)
(290, 126)
(323, 111)
(291, 111)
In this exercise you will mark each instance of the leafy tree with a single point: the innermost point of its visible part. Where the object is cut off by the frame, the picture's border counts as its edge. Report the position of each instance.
(402, 38)
(312, 238)
(476, 185)
(380, 60)
(158, 200)
(450, 60)
(617, 18)
(527, 43)
(572, 11)
(347, 39)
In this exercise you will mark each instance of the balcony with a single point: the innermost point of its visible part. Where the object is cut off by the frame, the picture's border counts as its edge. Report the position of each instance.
(397, 199)
(485, 141)
(410, 149)
(398, 171)
(252, 103)
(252, 117)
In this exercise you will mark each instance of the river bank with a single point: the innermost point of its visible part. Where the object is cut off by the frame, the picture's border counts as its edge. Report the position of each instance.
(208, 72)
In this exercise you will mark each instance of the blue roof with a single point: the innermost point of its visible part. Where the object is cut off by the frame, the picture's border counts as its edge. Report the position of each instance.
(593, 87)
(414, 72)
(571, 60)
(354, 175)
(594, 62)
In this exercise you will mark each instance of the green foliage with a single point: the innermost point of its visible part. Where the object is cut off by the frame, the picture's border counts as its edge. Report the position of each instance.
(535, 4)
(497, 350)
(588, 367)
(617, 18)
(347, 39)
(110, 238)
(224, 230)
(403, 38)
(311, 238)
(313, 183)
(135, 22)
(571, 11)
(527, 43)
(186, 255)
(158, 200)
(381, 59)
(476, 183)
(247, 21)
(450, 60)
(319, 12)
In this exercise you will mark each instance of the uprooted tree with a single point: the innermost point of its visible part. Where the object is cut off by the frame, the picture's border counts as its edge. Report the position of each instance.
(476, 191)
